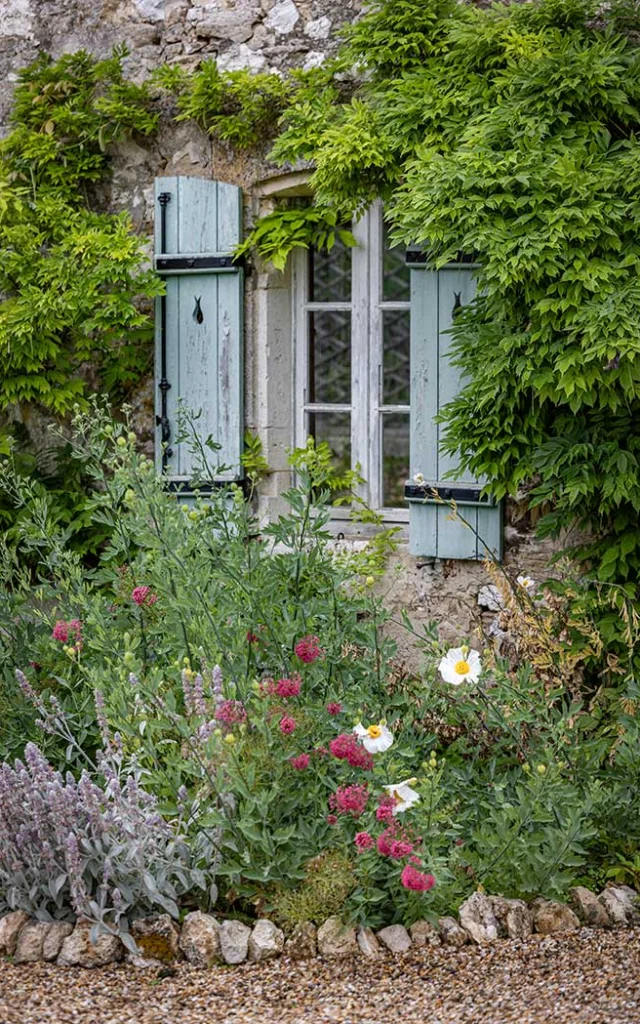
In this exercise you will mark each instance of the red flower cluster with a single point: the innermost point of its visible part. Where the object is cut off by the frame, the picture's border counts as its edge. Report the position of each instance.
(287, 724)
(63, 630)
(334, 708)
(288, 687)
(386, 805)
(396, 842)
(346, 748)
(350, 800)
(308, 649)
(231, 712)
(301, 762)
(363, 841)
(416, 880)
(143, 595)
(252, 638)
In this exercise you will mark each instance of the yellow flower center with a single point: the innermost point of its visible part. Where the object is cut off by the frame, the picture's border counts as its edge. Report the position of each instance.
(396, 797)
(375, 732)
(462, 667)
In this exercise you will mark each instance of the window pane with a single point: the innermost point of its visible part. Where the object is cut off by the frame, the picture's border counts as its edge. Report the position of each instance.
(395, 275)
(335, 429)
(330, 357)
(330, 274)
(395, 357)
(395, 459)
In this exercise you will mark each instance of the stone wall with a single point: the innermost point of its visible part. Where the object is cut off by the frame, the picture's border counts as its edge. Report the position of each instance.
(259, 34)
(265, 35)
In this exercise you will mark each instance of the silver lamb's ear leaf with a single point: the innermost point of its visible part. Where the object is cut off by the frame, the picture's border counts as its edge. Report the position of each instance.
(129, 942)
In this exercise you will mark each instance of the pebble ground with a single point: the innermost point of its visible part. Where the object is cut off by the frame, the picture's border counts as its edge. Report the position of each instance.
(585, 977)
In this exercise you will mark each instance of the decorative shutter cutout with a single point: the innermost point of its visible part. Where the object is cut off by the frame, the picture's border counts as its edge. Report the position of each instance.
(436, 295)
(199, 322)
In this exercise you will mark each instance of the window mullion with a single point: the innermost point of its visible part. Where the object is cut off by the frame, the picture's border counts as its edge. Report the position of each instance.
(301, 344)
(360, 361)
(376, 243)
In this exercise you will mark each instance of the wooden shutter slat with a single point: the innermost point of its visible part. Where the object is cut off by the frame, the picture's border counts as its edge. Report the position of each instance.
(203, 322)
(435, 382)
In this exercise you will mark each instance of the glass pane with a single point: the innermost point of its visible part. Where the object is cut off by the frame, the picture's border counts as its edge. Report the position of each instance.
(395, 357)
(330, 357)
(395, 459)
(330, 274)
(335, 429)
(395, 275)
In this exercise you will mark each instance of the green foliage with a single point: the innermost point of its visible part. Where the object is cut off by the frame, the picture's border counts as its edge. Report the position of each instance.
(322, 893)
(235, 106)
(276, 235)
(510, 132)
(253, 458)
(179, 653)
(73, 284)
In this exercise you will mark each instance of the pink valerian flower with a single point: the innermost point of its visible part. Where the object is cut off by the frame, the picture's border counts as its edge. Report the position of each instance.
(334, 708)
(231, 712)
(268, 686)
(350, 800)
(301, 762)
(401, 849)
(346, 748)
(384, 811)
(332, 819)
(288, 687)
(416, 880)
(143, 595)
(308, 649)
(287, 724)
(396, 842)
(363, 841)
(252, 638)
(63, 632)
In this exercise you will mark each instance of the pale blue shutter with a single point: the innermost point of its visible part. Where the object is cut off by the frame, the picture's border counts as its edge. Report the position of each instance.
(199, 322)
(435, 295)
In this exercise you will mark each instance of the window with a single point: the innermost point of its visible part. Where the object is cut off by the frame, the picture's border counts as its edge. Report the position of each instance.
(351, 350)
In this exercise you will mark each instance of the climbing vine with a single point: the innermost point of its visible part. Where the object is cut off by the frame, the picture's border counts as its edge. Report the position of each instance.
(73, 280)
(511, 132)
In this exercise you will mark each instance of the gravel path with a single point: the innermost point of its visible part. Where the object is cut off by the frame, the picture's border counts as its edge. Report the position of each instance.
(587, 977)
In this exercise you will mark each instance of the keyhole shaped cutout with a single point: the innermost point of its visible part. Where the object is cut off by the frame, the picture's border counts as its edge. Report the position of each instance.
(198, 315)
(457, 304)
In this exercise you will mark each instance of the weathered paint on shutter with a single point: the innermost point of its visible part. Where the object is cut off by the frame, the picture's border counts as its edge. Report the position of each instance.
(203, 321)
(435, 294)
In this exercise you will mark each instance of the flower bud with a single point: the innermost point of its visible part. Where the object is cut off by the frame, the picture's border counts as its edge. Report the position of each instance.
(230, 738)
(542, 769)
(370, 581)
(121, 442)
(193, 515)
(131, 436)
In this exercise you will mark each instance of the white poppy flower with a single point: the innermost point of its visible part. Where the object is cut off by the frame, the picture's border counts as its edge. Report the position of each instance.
(375, 738)
(418, 478)
(526, 582)
(403, 795)
(460, 665)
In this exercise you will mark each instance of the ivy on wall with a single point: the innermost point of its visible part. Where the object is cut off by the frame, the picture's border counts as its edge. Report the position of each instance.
(73, 281)
(511, 132)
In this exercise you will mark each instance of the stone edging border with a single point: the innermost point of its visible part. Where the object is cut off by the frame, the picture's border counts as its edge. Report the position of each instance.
(202, 941)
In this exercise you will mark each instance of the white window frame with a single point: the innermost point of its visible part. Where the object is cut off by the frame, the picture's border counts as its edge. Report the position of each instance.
(367, 307)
